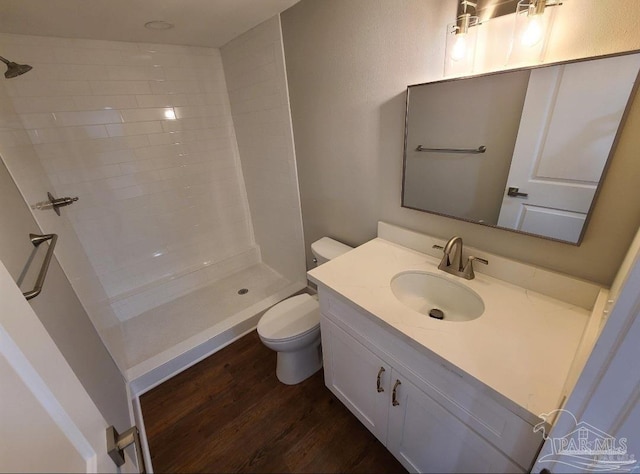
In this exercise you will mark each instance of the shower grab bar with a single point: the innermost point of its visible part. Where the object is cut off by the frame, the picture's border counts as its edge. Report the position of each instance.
(480, 149)
(37, 240)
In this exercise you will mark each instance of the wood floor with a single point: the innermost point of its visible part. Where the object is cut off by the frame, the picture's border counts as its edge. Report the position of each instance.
(229, 413)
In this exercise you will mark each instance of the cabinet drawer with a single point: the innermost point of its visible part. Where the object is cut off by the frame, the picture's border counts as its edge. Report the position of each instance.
(472, 402)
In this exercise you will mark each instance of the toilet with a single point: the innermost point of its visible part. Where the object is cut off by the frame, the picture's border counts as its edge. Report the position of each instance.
(292, 327)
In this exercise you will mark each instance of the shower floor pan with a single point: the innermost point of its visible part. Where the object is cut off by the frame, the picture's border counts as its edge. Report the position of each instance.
(167, 339)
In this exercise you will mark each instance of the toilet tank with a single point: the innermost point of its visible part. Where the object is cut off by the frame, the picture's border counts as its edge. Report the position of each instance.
(325, 249)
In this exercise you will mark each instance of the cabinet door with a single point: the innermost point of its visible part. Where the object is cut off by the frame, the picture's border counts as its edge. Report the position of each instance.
(425, 437)
(352, 372)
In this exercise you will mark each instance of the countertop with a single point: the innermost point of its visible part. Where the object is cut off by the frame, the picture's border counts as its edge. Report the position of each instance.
(522, 346)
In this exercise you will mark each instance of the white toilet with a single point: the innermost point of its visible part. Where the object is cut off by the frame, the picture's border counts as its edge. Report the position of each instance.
(292, 327)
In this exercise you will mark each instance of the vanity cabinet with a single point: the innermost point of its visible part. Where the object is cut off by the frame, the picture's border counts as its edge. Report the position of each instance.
(427, 438)
(431, 421)
(357, 377)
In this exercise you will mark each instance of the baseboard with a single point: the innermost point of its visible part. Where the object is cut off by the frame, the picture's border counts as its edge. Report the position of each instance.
(139, 422)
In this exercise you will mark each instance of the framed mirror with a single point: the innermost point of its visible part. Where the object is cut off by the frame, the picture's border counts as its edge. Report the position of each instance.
(524, 150)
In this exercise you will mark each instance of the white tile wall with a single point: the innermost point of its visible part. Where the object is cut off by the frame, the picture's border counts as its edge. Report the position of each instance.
(143, 135)
(256, 78)
(21, 158)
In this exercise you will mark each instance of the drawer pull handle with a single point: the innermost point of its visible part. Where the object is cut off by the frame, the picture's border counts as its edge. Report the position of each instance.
(378, 383)
(394, 394)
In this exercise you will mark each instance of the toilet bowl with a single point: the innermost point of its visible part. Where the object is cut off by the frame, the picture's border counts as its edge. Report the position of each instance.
(292, 327)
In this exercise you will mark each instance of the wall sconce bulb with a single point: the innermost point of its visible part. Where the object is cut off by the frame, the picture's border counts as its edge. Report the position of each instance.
(461, 39)
(459, 50)
(533, 32)
(532, 29)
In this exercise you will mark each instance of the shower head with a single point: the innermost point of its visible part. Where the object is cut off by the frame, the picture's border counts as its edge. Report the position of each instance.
(14, 69)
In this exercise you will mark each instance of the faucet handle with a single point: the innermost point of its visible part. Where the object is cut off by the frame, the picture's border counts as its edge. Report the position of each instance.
(467, 271)
(478, 259)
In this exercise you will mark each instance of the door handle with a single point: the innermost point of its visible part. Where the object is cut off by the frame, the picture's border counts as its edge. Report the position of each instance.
(378, 382)
(515, 192)
(117, 442)
(394, 394)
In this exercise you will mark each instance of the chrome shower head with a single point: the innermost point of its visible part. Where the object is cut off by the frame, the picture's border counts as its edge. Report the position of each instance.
(14, 69)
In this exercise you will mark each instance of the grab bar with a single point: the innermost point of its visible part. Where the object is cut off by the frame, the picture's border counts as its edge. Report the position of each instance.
(37, 240)
(480, 149)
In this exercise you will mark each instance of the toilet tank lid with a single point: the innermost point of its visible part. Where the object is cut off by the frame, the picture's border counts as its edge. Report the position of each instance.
(328, 248)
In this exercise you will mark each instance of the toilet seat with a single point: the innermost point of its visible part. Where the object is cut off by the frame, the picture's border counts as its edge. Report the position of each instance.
(290, 319)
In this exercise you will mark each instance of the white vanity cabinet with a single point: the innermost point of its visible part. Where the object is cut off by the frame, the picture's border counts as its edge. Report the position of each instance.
(357, 377)
(425, 437)
(428, 416)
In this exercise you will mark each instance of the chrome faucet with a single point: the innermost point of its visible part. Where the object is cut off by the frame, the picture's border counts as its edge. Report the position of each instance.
(454, 265)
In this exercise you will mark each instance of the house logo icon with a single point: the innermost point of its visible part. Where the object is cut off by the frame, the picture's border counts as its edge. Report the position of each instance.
(585, 447)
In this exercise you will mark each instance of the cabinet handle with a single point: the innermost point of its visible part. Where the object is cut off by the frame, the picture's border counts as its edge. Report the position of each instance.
(378, 383)
(394, 394)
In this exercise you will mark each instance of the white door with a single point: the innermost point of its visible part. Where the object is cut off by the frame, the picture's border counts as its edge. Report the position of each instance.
(570, 120)
(357, 377)
(425, 437)
(606, 397)
(48, 422)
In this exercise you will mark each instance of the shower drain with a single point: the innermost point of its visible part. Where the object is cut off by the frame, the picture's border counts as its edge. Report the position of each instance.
(243, 291)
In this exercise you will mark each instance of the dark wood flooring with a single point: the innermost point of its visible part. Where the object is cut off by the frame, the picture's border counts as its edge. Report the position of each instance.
(229, 413)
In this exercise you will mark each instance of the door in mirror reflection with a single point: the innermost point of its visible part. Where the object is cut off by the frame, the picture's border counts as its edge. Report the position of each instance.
(570, 118)
(548, 134)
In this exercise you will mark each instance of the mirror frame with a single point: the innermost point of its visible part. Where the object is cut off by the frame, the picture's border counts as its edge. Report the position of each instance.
(614, 145)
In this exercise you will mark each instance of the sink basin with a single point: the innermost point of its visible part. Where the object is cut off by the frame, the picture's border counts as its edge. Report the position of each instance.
(425, 292)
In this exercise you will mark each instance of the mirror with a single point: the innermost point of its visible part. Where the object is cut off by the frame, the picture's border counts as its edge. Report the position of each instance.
(523, 150)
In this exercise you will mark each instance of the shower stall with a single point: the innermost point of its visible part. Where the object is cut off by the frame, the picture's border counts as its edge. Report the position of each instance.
(187, 224)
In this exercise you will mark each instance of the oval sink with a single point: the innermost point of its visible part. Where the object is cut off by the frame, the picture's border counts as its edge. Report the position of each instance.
(425, 292)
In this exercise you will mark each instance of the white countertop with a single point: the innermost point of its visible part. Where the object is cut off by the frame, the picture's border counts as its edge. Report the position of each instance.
(522, 346)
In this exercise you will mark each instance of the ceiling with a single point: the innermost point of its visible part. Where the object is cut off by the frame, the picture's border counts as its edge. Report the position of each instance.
(197, 22)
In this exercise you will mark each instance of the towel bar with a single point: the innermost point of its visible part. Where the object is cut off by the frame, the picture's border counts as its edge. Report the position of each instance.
(480, 149)
(37, 240)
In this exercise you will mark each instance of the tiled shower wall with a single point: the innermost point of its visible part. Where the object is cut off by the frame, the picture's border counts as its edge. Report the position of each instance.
(21, 159)
(143, 135)
(257, 83)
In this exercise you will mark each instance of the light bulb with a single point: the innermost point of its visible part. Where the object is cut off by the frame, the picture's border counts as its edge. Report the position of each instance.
(533, 33)
(459, 49)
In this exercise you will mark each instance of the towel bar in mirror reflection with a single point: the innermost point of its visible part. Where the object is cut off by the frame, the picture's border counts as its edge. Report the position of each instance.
(471, 151)
(548, 131)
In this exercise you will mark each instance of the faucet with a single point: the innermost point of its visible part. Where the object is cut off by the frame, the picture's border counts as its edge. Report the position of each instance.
(447, 264)
(454, 265)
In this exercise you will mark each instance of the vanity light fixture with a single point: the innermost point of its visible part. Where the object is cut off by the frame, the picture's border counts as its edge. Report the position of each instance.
(533, 22)
(461, 41)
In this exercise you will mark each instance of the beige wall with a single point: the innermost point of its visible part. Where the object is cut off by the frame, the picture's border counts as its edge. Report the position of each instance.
(348, 65)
